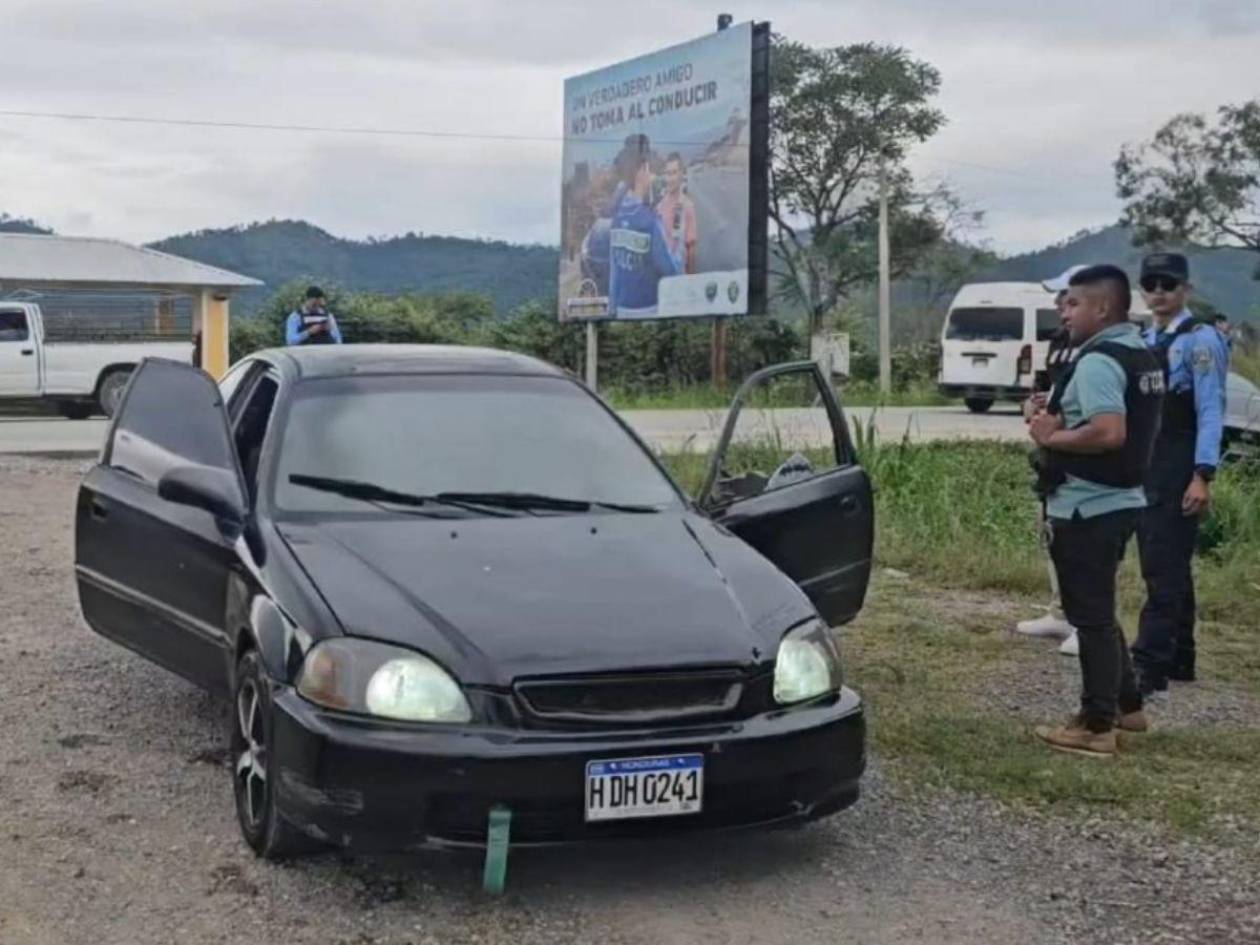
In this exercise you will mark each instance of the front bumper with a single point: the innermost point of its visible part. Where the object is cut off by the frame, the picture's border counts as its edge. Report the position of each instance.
(985, 391)
(373, 786)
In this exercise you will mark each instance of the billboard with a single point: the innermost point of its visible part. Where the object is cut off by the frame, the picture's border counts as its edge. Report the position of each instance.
(664, 188)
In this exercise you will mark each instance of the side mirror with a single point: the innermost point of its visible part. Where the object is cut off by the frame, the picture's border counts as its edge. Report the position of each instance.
(204, 487)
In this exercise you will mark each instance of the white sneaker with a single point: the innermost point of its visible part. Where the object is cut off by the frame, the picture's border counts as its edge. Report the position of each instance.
(1071, 646)
(1047, 626)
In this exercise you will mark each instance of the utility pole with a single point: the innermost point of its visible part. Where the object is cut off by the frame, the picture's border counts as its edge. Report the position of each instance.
(717, 338)
(592, 354)
(717, 353)
(885, 289)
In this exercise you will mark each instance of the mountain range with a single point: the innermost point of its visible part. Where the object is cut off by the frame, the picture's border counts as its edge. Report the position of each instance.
(1224, 277)
(282, 251)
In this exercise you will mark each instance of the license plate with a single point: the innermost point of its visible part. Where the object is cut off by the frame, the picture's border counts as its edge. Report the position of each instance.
(980, 362)
(663, 786)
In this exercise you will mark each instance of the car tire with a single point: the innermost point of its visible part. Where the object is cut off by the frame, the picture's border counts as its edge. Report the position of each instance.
(109, 391)
(977, 404)
(251, 740)
(74, 410)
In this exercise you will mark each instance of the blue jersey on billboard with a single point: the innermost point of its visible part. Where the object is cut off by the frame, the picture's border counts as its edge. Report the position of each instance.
(640, 257)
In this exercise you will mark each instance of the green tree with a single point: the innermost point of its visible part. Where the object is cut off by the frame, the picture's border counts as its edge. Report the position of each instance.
(837, 114)
(1196, 181)
(10, 224)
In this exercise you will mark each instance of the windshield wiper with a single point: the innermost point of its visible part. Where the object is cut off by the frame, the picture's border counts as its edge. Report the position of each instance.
(377, 495)
(531, 501)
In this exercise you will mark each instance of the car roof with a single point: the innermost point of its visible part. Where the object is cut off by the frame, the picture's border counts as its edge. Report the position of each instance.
(378, 359)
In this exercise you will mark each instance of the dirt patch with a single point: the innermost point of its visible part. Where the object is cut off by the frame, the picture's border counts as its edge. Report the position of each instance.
(85, 782)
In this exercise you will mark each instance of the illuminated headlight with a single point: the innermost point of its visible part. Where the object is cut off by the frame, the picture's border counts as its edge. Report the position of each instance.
(381, 680)
(808, 664)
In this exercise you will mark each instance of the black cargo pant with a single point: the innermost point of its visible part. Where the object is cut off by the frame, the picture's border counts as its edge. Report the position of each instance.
(1087, 554)
(1166, 540)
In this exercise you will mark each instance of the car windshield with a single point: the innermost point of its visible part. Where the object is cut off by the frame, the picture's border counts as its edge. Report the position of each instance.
(985, 324)
(535, 444)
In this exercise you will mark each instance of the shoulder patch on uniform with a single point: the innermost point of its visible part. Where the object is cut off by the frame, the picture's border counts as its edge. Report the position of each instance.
(1201, 358)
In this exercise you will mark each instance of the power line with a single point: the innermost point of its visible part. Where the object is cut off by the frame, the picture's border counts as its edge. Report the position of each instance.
(324, 129)
(265, 126)
(437, 135)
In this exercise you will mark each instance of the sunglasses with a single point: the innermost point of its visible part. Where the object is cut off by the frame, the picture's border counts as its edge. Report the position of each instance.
(1160, 284)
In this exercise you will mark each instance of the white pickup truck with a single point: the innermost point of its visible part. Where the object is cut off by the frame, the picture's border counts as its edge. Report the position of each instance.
(79, 377)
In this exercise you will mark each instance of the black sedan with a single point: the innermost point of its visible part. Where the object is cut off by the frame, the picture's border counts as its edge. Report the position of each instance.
(439, 581)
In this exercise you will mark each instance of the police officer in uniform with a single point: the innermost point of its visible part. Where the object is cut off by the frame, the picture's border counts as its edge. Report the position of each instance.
(1195, 362)
(1095, 436)
(312, 324)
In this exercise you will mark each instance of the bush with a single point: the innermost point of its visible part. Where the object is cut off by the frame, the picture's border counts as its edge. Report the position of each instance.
(637, 358)
(913, 365)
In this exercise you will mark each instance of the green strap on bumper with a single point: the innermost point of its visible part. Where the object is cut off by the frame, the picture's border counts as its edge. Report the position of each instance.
(498, 837)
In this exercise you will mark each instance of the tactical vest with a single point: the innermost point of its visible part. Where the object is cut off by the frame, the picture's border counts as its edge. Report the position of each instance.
(1058, 357)
(1180, 419)
(308, 322)
(1122, 468)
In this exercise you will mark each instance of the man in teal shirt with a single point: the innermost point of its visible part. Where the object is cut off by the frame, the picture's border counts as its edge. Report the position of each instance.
(1096, 435)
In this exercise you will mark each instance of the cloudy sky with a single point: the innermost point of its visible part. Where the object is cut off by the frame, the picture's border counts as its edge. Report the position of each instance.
(1039, 97)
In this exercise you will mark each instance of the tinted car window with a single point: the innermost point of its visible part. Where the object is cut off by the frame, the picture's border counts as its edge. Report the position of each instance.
(13, 325)
(1048, 322)
(172, 415)
(985, 324)
(462, 433)
(251, 428)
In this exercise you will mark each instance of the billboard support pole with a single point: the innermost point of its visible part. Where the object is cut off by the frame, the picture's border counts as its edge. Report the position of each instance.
(592, 355)
(885, 300)
(717, 353)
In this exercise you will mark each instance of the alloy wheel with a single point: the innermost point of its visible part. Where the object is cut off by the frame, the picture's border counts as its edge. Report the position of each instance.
(251, 762)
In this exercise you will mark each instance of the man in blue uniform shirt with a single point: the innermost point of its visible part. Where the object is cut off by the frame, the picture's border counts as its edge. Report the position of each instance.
(312, 324)
(640, 252)
(1195, 361)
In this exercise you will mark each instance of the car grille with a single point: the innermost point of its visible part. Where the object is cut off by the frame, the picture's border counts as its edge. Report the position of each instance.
(635, 698)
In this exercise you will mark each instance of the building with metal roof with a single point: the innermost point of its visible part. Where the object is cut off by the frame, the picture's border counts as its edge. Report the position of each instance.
(80, 280)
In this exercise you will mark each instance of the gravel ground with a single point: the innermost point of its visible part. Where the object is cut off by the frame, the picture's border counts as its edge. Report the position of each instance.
(1040, 685)
(116, 826)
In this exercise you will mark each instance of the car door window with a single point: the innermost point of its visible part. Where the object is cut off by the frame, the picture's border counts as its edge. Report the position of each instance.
(251, 428)
(233, 381)
(171, 415)
(782, 431)
(13, 326)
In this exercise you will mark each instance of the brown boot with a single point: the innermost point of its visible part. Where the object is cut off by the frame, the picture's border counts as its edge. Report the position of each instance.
(1074, 737)
(1135, 721)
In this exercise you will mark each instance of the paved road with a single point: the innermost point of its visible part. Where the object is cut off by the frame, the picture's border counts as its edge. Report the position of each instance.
(670, 430)
(674, 430)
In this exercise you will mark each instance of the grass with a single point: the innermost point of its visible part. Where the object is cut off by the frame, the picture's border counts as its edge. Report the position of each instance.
(963, 515)
(1246, 363)
(960, 519)
(709, 397)
(929, 678)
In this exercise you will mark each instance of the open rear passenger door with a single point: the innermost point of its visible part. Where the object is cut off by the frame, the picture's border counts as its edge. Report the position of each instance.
(785, 478)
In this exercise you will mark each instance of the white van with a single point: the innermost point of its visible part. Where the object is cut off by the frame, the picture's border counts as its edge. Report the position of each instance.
(995, 340)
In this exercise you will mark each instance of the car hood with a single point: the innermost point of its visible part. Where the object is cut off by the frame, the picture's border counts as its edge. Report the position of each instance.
(495, 599)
